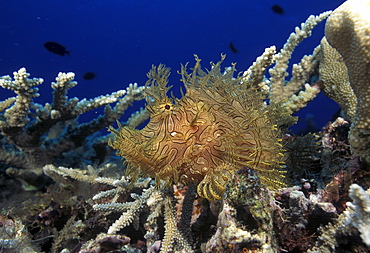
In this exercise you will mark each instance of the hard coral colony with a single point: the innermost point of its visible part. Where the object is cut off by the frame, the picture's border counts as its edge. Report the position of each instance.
(219, 126)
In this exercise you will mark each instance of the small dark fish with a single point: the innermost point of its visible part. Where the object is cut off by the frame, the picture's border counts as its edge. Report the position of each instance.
(277, 9)
(233, 48)
(89, 75)
(56, 48)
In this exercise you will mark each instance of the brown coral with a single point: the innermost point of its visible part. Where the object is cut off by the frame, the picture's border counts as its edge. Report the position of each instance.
(219, 126)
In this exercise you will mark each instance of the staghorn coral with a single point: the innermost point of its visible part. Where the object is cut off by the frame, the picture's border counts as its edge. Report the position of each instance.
(297, 92)
(347, 30)
(288, 95)
(156, 198)
(25, 88)
(220, 125)
(33, 135)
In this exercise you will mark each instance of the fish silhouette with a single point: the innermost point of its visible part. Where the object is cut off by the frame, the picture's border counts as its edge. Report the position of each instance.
(56, 48)
(89, 76)
(277, 9)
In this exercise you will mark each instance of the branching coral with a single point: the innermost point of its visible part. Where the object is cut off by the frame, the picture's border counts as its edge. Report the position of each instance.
(25, 88)
(282, 91)
(156, 198)
(356, 218)
(151, 197)
(33, 135)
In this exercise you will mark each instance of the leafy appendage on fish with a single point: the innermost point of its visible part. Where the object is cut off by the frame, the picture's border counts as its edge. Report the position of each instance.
(218, 127)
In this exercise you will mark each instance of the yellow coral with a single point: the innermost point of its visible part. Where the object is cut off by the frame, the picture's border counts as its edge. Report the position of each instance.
(220, 125)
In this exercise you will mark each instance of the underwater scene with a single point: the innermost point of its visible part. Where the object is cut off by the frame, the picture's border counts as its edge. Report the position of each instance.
(184, 126)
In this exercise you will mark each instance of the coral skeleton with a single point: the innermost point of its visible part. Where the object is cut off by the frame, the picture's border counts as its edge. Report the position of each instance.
(14, 236)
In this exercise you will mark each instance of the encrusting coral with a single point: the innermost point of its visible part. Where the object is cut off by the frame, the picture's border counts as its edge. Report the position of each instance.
(245, 222)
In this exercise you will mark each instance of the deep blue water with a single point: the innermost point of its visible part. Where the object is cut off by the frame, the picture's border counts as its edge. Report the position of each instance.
(119, 40)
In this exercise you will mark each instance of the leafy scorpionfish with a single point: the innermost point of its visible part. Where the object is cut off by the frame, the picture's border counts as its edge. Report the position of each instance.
(220, 125)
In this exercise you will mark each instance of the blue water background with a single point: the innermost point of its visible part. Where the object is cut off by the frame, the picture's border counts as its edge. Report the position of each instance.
(119, 40)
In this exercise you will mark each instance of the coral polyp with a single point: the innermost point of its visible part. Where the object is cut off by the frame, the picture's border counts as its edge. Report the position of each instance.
(220, 125)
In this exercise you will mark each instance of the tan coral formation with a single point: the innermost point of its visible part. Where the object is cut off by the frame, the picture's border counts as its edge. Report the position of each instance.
(347, 30)
(334, 75)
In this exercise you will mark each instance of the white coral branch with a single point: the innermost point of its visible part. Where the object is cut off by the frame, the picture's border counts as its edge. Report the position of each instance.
(25, 88)
(280, 90)
(355, 218)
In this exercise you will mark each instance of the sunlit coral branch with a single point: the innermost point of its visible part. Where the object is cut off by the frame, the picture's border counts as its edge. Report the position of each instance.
(88, 175)
(254, 75)
(296, 93)
(62, 106)
(25, 88)
(6, 104)
(282, 90)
